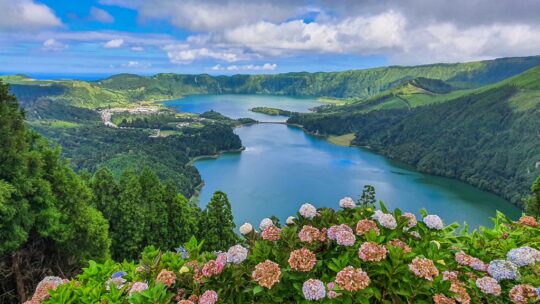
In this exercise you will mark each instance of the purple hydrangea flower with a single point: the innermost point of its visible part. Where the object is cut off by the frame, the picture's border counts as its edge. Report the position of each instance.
(314, 290)
(502, 269)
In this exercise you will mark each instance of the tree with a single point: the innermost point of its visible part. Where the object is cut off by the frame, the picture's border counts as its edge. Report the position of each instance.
(217, 225)
(105, 191)
(128, 230)
(532, 203)
(47, 223)
(368, 196)
(155, 208)
(183, 217)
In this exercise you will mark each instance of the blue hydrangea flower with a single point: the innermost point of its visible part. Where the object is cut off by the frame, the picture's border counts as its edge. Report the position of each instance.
(182, 252)
(502, 269)
(538, 292)
(523, 256)
(118, 274)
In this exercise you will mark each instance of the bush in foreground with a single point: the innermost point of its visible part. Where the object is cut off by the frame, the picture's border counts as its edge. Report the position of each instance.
(355, 255)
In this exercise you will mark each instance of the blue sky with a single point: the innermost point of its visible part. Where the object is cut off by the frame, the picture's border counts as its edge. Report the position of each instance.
(85, 38)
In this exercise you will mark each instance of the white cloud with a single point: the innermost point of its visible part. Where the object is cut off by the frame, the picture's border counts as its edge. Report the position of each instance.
(26, 15)
(136, 65)
(183, 54)
(248, 67)
(213, 15)
(53, 45)
(114, 43)
(137, 48)
(100, 15)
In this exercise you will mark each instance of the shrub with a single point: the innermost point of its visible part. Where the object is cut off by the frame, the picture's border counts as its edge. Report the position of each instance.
(419, 265)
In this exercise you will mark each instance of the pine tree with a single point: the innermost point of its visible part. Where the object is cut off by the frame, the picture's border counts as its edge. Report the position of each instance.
(183, 217)
(105, 191)
(368, 196)
(156, 217)
(128, 218)
(217, 229)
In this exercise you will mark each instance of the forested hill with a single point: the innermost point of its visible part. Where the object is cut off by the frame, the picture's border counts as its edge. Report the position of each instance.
(488, 137)
(125, 88)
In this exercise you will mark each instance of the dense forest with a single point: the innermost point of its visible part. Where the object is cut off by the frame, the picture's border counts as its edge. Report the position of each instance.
(487, 137)
(54, 220)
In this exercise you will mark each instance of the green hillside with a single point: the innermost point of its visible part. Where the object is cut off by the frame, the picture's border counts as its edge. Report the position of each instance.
(123, 88)
(487, 137)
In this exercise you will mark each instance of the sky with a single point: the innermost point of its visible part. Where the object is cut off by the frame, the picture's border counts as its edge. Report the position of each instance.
(92, 38)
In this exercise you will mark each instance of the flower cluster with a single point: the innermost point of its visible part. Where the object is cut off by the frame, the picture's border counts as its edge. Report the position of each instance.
(372, 252)
(352, 279)
(347, 203)
(266, 274)
(236, 254)
(411, 219)
(265, 223)
(208, 297)
(522, 293)
(489, 285)
(342, 234)
(42, 290)
(167, 277)
(138, 287)
(314, 290)
(214, 267)
(117, 280)
(400, 244)
(309, 234)
(460, 292)
(523, 256)
(424, 268)
(466, 260)
(385, 219)
(433, 222)
(302, 260)
(271, 233)
(528, 221)
(503, 270)
(246, 228)
(365, 225)
(308, 211)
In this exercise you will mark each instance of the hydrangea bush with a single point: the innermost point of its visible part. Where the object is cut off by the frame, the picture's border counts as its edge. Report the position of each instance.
(355, 255)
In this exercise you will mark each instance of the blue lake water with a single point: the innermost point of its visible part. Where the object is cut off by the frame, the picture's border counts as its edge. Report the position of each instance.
(283, 167)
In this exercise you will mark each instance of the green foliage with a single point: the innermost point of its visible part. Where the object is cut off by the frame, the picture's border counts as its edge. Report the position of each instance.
(532, 203)
(271, 111)
(367, 198)
(217, 223)
(390, 279)
(45, 210)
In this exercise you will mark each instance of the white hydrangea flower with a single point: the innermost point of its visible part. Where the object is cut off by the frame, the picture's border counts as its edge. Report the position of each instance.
(377, 214)
(246, 228)
(347, 203)
(388, 221)
(434, 222)
(308, 211)
(290, 220)
(523, 256)
(265, 223)
(236, 254)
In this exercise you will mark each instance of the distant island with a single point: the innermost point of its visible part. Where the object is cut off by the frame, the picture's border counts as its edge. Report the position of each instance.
(271, 111)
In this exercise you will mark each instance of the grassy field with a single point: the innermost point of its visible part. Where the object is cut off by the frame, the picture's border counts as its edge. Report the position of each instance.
(341, 140)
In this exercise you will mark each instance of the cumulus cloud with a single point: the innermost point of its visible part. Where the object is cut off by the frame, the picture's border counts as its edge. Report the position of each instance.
(405, 31)
(248, 67)
(26, 15)
(53, 45)
(114, 43)
(184, 54)
(100, 15)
